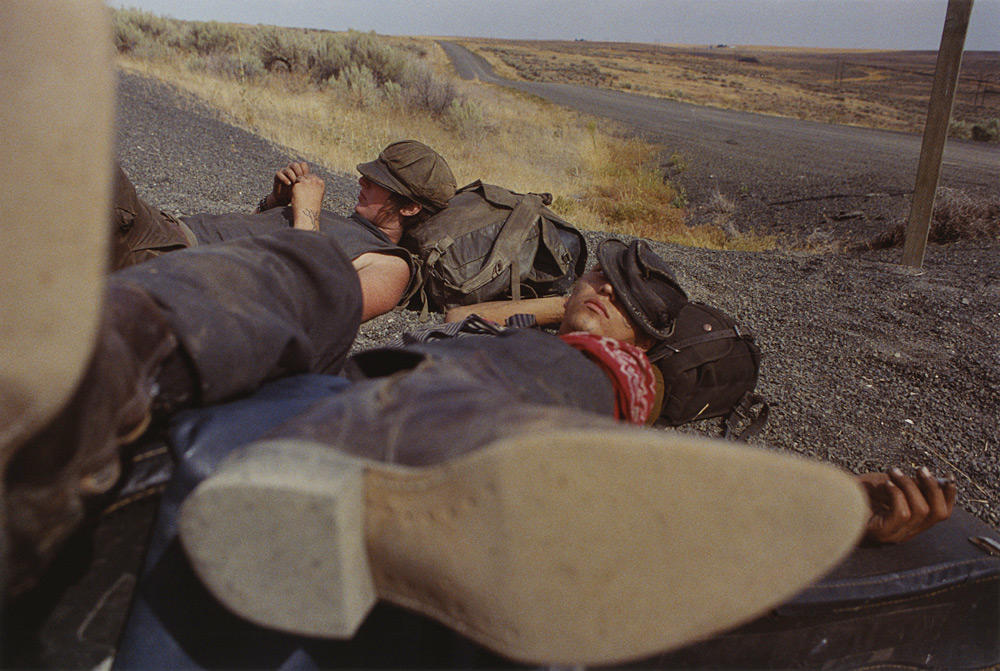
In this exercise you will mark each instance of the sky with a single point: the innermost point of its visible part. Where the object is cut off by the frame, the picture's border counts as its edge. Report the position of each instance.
(847, 24)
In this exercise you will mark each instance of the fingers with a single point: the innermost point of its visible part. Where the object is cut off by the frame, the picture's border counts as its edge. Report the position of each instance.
(292, 173)
(939, 494)
(903, 506)
(889, 506)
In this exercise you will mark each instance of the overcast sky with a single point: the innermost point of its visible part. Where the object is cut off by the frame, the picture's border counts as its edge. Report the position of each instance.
(886, 24)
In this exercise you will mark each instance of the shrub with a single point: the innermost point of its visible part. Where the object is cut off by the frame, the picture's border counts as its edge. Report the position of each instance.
(209, 37)
(987, 131)
(359, 83)
(957, 216)
(228, 65)
(464, 117)
(423, 90)
(127, 35)
(134, 29)
(279, 50)
(326, 58)
(384, 62)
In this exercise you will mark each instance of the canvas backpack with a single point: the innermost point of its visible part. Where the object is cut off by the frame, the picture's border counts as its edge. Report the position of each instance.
(491, 243)
(710, 368)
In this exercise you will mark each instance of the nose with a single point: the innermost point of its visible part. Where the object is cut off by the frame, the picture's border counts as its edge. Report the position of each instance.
(603, 286)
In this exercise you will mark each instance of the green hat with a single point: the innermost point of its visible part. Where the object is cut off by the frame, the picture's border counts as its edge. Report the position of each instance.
(414, 170)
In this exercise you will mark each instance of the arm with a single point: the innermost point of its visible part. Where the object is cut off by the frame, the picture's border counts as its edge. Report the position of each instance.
(281, 189)
(903, 506)
(383, 278)
(307, 200)
(548, 311)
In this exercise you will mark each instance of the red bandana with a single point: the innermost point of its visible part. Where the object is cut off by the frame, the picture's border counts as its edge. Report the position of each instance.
(629, 370)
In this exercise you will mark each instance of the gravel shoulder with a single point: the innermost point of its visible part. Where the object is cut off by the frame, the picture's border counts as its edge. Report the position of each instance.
(865, 365)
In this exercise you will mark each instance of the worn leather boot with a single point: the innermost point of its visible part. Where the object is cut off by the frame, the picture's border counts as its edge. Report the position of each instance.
(50, 480)
(140, 232)
(550, 535)
(58, 79)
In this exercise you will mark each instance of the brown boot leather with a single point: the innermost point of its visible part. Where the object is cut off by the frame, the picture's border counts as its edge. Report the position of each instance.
(140, 232)
(51, 478)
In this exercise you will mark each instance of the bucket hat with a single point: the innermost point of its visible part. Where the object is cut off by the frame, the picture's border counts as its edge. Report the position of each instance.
(644, 285)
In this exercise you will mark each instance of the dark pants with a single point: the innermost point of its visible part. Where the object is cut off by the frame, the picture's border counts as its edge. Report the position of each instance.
(254, 309)
(140, 232)
(424, 405)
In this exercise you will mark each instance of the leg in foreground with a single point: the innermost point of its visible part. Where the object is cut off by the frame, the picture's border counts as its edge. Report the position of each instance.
(546, 534)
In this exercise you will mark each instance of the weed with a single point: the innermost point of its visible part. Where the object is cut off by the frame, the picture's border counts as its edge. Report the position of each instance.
(957, 216)
(987, 130)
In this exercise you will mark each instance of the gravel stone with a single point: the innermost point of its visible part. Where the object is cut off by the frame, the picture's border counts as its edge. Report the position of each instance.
(867, 364)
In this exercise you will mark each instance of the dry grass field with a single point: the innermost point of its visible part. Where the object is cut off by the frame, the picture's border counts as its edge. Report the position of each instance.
(337, 98)
(879, 89)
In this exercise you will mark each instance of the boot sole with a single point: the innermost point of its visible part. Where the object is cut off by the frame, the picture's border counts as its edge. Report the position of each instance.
(574, 547)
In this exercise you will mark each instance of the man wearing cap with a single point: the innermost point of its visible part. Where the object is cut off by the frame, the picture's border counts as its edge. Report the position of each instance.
(455, 478)
(564, 539)
(628, 299)
(403, 186)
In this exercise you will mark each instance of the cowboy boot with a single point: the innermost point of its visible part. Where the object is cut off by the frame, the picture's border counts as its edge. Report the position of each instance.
(51, 480)
(58, 79)
(140, 232)
(550, 535)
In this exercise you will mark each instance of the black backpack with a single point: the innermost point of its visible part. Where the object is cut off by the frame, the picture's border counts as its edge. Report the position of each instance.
(491, 243)
(710, 368)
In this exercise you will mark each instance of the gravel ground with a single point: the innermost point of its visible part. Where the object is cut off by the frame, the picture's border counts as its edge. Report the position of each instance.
(866, 365)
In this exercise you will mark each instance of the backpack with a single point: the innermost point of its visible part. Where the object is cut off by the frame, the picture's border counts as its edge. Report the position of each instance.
(491, 243)
(710, 368)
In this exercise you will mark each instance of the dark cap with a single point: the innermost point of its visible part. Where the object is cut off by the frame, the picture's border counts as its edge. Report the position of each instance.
(644, 284)
(414, 170)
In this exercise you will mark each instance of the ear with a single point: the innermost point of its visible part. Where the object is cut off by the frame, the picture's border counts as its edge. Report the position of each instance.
(410, 209)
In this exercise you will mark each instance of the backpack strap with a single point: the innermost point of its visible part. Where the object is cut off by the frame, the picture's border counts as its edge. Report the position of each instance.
(664, 348)
(507, 246)
(752, 408)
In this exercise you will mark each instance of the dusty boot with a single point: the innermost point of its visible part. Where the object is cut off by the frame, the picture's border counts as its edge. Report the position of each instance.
(57, 118)
(549, 535)
(140, 232)
(50, 479)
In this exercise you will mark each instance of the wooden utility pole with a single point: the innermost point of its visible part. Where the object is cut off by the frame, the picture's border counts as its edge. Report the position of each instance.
(949, 62)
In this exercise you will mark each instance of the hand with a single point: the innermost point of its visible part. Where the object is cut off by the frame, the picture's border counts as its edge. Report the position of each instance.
(284, 181)
(307, 201)
(903, 506)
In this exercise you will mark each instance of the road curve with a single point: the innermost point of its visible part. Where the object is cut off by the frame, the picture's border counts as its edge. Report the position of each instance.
(781, 170)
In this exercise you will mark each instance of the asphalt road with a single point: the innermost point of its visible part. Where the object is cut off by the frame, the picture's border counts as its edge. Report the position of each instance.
(787, 175)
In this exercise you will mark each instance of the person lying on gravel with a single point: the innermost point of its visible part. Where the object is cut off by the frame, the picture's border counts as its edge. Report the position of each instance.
(402, 187)
(216, 321)
(407, 485)
(902, 505)
(519, 513)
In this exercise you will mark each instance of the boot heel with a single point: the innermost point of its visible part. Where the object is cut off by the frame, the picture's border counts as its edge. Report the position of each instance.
(277, 535)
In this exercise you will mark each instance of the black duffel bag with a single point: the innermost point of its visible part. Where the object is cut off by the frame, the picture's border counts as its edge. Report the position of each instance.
(710, 368)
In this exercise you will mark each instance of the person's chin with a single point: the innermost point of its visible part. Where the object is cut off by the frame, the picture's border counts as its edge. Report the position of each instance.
(579, 322)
